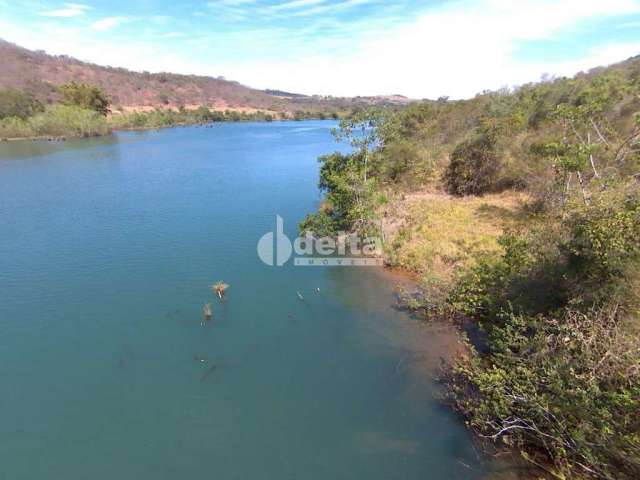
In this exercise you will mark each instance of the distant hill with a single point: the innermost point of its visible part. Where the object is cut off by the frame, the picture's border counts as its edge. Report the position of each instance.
(40, 74)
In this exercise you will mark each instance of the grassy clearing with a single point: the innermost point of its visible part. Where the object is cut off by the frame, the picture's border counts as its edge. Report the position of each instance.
(434, 234)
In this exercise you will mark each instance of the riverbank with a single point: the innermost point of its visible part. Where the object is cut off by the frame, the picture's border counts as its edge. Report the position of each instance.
(434, 349)
(552, 281)
(61, 121)
(132, 127)
(431, 236)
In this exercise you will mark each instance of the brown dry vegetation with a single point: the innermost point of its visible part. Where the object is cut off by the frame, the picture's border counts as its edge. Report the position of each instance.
(434, 234)
(41, 74)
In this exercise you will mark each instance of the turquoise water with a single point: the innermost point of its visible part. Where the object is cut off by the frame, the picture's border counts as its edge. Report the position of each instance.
(107, 250)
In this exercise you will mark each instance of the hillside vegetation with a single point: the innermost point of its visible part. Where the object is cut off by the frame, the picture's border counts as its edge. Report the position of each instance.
(519, 210)
(84, 110)
(41, 75)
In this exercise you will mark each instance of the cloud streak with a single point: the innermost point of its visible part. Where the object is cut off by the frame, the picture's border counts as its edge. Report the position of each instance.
(355, 47)
(69, 10)
(458, 50)
(296, 4)
(108, 23)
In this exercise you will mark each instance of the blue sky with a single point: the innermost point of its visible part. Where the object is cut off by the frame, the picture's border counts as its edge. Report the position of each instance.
(422, 49)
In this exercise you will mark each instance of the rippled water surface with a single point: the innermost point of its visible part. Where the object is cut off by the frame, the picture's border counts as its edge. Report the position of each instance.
(107, 250)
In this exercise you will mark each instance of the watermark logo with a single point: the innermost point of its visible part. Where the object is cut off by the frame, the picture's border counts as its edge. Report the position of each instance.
(277, 241)
(343, 250)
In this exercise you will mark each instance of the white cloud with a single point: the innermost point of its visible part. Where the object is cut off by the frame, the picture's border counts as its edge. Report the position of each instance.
(69, 10)
(231, 3)
(333, 8)
(296, 4)
(456, 49)
(107, 23)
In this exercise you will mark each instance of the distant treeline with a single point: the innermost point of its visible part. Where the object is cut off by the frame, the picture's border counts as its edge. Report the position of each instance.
(159, 118)
(85, 111)
(81, 113)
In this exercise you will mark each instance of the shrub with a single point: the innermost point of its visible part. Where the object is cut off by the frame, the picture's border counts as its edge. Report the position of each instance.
(62, 120)
(14, 127)
(562, 374)
(404, 162)
(84, 96)
(203, 114)
(589, 258)
(56, 121)
(603, 249)
(529, 276)
(562, 389)
(14, 103)
(474, 166)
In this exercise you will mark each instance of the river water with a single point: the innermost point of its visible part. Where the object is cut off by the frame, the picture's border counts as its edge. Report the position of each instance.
(108, 249)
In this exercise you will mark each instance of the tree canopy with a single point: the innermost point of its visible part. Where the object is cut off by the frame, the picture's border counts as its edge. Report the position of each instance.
(85, 96)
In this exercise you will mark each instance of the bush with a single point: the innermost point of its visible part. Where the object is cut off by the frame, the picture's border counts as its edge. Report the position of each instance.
(56, 121)
(61, 120)
(529, 276)
(562, 389)
(590, 258)
(562, 373)
(603, 250)
(474, 166)
(14, 103)
(14, 127)
(404, 162)
(84, 96)
(203, 114)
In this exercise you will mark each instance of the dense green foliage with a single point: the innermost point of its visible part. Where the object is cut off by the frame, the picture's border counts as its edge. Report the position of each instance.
(473, 166)
(348, 198)
(558, 374)
(346, 178)
(82, 114)
(553, 139)
(564, 388)
(589, 257)
(160, 118)
(14, 103)
(56, 121)
(87, 97)
(21, 116)
(560, 307)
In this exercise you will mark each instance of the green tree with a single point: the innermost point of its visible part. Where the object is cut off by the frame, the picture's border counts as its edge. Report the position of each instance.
(203, 114)
(85, 96)
(361, 131)
(14, 103)
(588, 138)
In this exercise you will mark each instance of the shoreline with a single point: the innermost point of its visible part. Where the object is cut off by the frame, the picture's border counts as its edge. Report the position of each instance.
(64, 138)
(436, 346)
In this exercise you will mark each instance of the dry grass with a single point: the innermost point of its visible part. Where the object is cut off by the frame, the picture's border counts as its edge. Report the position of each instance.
(433, 234)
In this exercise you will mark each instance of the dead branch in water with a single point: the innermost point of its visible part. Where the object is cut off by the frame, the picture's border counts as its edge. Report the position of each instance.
(219, 289)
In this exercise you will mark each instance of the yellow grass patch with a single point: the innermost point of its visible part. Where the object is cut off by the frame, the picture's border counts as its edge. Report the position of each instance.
(433, 234)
